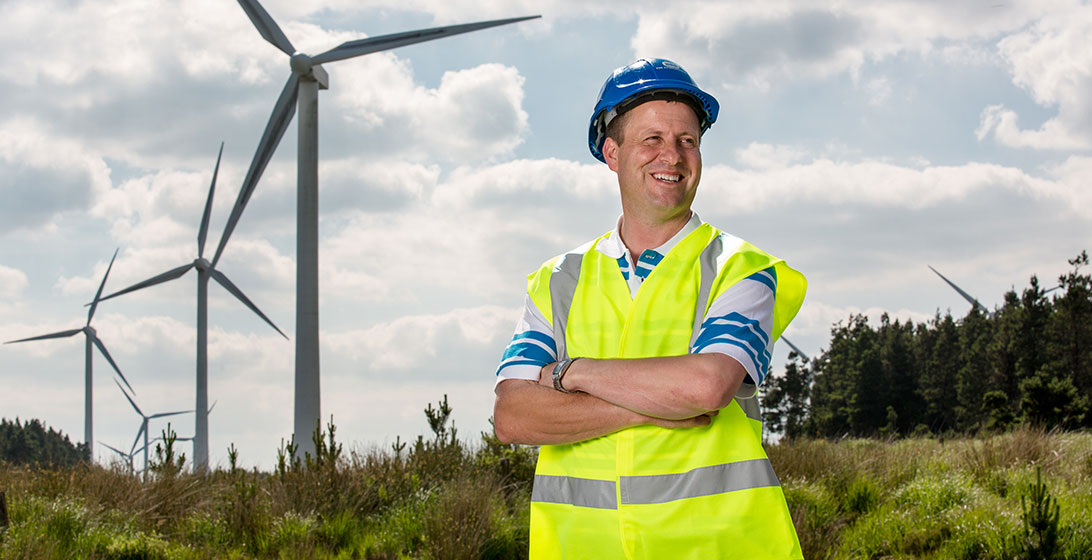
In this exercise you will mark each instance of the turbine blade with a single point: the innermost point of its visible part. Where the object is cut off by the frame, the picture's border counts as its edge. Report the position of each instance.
(203, 231)
(394, 40)
(212, 407)
(235, 291)
(795, 349)
(136, 440)
(95, 302)
(106, 354)
(166, 414)
(114, 449)
(62, 334)
(266, 26)
(279, 120)
(130, 399)
(970, 299)
(159, 279)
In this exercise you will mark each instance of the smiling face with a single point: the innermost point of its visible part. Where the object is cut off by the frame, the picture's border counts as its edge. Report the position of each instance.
(658, 161)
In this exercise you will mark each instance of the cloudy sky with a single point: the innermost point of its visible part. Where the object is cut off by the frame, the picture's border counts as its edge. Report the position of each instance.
(861, 141)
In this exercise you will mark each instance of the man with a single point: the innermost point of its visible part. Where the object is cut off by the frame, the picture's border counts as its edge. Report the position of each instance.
(636, 360)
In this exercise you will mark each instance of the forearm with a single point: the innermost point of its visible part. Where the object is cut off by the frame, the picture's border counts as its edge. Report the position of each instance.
(673, 387)
(529, 413)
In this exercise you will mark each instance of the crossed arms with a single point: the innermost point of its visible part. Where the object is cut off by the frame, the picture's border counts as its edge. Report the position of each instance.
(670, 392)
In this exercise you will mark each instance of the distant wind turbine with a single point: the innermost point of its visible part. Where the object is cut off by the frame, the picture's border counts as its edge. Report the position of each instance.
(128, 457)
(205, 270)
(92, 340)
(795, 349)
(970, 299)
(306, 79)
(145, 419)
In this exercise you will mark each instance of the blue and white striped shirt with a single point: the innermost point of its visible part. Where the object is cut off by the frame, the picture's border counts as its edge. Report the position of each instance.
(737, 324)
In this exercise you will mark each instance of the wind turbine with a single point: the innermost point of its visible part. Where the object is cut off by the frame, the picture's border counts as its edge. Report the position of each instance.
(970, 299)
(128, 457)
(145, 419)
(92, 340)
(205, 271)
(303, 83)
(795, 349)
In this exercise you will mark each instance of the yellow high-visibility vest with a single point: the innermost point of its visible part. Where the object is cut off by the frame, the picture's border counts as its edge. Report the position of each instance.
(647, 492)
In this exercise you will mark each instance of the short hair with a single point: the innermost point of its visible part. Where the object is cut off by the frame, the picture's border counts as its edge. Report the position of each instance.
(616, 124)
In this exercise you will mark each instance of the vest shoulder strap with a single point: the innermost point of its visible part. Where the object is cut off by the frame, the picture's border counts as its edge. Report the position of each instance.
(553, 286)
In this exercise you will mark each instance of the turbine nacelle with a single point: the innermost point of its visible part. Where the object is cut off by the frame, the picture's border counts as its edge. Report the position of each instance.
(303, 67)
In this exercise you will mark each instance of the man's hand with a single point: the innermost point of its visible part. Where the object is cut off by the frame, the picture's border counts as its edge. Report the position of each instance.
(546, 375)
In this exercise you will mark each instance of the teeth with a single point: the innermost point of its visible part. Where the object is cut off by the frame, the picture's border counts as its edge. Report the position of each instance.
(666, 177)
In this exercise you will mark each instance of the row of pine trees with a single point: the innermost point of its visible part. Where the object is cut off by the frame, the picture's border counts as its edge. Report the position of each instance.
(1029, 361)
(31, 443)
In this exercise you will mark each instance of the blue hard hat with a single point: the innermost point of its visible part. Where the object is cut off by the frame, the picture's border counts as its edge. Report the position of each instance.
(627, 87)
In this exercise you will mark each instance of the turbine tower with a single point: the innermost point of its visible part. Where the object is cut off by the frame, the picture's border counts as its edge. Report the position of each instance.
(145, 419)
(92, 341)
(970, 299)
(205, 271)
(303, 84)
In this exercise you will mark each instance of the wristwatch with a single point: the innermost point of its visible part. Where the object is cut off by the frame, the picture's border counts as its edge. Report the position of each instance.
(559, 373)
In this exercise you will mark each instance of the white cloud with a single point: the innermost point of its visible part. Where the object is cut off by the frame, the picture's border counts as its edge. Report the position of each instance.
(43, 174)
(1050, 60)
(474, 114)
(816, 318)
(759, 43)
(766, 156)
(415, 342)
(870, 182)
(12, 283)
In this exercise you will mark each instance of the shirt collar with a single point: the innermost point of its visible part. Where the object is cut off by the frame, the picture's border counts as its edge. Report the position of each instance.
(613, 247)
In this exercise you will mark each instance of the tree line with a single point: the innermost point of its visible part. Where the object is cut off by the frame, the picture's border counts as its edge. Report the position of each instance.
(1029, 361)
(31, 443)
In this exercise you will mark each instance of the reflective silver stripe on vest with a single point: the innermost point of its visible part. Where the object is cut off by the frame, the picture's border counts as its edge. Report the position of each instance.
(708, 261)
(703, 481)
(751, 407)
(562, 290)
(583, 492)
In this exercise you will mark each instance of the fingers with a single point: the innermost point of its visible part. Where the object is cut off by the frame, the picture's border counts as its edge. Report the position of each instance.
(546, 375)
(695, 422)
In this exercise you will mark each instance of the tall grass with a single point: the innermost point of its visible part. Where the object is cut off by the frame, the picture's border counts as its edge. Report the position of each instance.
(942, 499)
(436, 498)
(1008, 496)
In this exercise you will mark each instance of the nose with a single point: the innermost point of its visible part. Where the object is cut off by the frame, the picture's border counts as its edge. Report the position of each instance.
(669, 153)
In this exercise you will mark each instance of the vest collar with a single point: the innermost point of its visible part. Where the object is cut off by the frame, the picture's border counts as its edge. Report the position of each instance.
(612, 245)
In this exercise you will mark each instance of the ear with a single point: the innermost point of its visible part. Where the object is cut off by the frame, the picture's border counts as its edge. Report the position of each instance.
(610, 153)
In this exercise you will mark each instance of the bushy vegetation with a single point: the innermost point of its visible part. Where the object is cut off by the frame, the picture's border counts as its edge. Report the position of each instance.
(30, 443)
(1027, 362)
(434, 498)
(1022, 495)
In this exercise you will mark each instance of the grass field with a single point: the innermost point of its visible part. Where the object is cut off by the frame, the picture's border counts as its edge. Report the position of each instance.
(1024, 494)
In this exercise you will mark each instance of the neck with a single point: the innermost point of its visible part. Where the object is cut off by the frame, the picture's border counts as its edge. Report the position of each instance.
(638, 236)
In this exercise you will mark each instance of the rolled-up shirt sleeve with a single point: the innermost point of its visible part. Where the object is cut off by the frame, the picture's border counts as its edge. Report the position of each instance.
(738, 324)
(532, 346)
